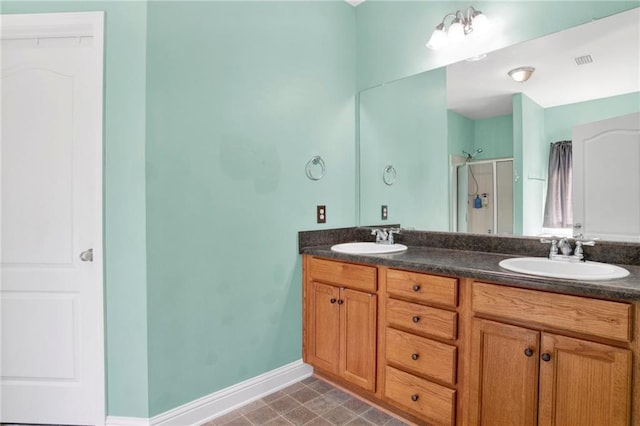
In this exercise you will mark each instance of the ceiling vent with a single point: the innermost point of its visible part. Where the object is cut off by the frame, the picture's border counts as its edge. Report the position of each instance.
(583, 60)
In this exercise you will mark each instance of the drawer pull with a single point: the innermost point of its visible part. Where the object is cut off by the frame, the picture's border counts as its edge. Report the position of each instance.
(546, 357)
(415, 356)
(415, 319)
(333, 300)
(415, 397)
(340, 301)
(528, 352)
(416, 287)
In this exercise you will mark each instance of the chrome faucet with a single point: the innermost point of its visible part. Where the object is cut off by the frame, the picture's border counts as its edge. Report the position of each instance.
(564, 245)
(385, 235)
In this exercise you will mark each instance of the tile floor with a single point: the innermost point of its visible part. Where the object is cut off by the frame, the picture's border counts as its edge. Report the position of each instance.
(311, 402)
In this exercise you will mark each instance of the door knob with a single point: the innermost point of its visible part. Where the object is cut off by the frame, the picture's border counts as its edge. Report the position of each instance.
(546, 357)
(87, 255)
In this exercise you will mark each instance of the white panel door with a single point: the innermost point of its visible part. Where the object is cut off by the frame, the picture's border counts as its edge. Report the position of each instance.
(52, 364)
(606, 178)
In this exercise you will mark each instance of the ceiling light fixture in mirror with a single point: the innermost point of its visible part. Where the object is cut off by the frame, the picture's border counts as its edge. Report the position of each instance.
(521, 74)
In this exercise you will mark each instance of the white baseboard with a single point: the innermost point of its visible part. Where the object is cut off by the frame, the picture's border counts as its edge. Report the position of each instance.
(214, 405)
(127, 421)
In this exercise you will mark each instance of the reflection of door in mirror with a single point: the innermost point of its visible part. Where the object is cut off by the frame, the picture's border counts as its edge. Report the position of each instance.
(484, 194)
(606, 178)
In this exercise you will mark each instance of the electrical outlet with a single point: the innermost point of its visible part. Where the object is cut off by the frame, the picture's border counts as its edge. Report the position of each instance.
(321, 214)
(384, 213)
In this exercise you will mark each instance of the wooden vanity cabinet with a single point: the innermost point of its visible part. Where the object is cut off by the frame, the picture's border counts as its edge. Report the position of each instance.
(525, 375)
(340, 322)
(444, 351)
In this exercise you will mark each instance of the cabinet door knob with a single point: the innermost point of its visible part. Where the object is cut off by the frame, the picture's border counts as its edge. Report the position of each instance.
(416, 287)
(415, 319)
(333, 300)
(340, 301)
(528, 352)
(415, 356)
(415, 397)
(546, 357)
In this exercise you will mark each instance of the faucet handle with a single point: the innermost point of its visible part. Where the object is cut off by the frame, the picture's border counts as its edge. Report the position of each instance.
(578, 253)
(390, 233)
(553, 250)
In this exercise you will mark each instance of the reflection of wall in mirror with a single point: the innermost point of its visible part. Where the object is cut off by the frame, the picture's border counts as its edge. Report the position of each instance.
(496, 137)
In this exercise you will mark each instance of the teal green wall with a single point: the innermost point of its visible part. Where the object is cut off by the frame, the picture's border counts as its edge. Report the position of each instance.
(560, 120)
(530, 164)
(401, 124)
(494, 136)
(124, 196)
(391, 35)
(459, 133)
(240, 96)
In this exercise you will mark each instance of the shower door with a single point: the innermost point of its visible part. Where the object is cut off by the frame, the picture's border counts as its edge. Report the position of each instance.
(484, 195)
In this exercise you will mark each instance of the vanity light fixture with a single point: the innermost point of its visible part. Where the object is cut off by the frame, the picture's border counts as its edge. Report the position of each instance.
(521, 74)
(472, 22)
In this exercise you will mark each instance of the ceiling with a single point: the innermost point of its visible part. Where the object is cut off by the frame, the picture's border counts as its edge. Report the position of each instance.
(483, 89)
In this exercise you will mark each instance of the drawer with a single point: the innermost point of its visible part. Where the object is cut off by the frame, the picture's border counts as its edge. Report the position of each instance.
(601, 318)
(423, 287)
(358, 277)
(429, 401)
(423, 319)
(422, 356)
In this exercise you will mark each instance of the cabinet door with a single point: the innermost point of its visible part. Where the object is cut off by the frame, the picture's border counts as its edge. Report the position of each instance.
(324, 327)
(583, 383)
(504, 385)
(358, 335)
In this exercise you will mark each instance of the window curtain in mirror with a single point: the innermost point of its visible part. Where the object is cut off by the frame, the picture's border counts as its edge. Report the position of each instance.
(558, 212)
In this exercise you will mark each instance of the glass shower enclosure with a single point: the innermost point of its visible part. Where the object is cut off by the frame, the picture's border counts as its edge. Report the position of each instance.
(483, 201)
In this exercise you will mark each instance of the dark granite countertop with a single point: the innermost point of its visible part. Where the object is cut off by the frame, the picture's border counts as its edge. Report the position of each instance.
(483, 265)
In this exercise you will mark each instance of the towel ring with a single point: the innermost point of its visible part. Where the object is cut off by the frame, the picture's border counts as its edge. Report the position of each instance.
(315, 161)
(389, 175)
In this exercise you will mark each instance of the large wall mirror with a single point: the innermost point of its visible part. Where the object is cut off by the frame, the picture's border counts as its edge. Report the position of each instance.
(468, 148)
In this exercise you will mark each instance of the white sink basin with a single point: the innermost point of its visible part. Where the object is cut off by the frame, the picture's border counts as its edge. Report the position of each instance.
(368, 248)
(587, 271)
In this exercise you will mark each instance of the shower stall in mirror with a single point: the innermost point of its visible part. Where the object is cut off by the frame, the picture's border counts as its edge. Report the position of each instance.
(483, 199)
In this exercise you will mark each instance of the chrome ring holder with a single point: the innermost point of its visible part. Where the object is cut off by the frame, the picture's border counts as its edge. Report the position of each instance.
(389, 175)
(315, 161)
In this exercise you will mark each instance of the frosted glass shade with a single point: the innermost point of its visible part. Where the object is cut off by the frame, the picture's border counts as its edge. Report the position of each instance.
(481, 25)
(438, 39)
